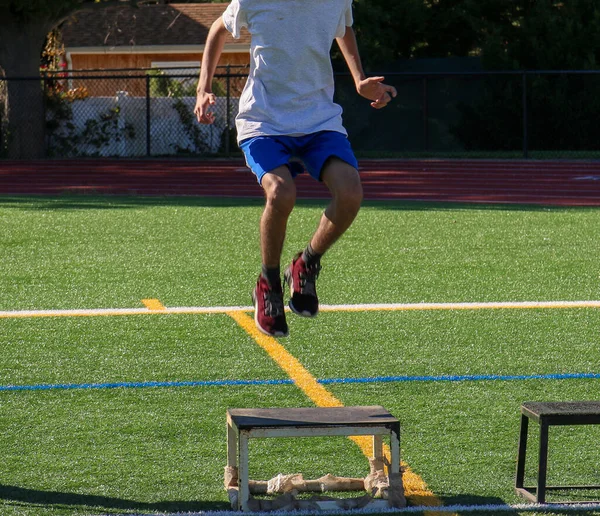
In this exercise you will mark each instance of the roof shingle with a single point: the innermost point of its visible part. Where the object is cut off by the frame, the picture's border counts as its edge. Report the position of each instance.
(155, 25)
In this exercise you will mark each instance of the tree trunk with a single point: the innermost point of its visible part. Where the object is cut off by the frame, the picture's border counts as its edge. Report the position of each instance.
(20, 50)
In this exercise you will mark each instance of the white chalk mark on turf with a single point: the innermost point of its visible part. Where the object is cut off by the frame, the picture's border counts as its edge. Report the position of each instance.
(491, 305)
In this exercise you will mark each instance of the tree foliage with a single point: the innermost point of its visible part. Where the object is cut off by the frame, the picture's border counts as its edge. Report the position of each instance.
(25, 11)
(506, 34)
(537, 35)
(24, 26)
(545, 35)
(387, 31)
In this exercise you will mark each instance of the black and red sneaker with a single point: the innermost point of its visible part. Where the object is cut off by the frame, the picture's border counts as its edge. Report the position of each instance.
(301, 279)
(269, 314)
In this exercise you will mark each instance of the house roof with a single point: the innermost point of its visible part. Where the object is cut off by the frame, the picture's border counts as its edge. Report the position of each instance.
(146, 25)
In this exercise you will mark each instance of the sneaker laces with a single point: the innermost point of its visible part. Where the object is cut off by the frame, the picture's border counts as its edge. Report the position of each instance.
(308, 278)
(273, 303)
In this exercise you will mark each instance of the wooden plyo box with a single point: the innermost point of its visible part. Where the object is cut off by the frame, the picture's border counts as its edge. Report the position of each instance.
(246, 424)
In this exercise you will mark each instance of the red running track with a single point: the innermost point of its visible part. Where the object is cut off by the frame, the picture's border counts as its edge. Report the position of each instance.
(563, 183)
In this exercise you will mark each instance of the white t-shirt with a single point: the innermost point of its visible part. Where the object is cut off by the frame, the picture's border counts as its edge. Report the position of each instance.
(290, 85)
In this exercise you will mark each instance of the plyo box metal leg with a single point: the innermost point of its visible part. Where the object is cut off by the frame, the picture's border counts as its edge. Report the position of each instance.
(543, 464)
(232, 463)
(395, 450)
(521, 456)
(377, 447)
(244, 495)
(232, 445)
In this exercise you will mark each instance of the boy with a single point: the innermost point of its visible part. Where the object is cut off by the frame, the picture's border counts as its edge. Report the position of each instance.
(288, 121)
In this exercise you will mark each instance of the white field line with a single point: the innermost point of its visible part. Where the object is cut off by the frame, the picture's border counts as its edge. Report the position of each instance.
(514, 305)
(549, 508)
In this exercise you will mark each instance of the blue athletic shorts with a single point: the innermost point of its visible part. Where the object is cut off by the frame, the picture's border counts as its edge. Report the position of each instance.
(309, 152)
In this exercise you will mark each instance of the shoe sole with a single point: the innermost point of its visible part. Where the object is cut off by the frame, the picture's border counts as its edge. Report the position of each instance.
(260, 328)
(304, 313)
(287, 276)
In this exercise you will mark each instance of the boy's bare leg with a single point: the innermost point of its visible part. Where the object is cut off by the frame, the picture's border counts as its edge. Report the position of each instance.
(344, 184)
(280, 193)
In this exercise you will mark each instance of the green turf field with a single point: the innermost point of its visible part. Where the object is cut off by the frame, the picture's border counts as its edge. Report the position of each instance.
(73, 443)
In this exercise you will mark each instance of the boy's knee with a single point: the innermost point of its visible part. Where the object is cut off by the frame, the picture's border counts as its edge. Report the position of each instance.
(351, 195)
(281, 195)
(343, 182)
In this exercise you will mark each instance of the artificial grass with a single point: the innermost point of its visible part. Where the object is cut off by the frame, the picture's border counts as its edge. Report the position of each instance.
(448, 342)
(195, 252)
(461, 437)
(121, 451)
(153, 450)
(160, 348)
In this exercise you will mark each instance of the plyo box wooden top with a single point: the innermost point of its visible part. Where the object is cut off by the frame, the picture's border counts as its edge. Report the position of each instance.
(313, 417)
(563, 412)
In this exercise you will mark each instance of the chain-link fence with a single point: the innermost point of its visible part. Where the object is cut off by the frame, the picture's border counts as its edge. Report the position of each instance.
(140, 115)
(150, 113)
(544, 115)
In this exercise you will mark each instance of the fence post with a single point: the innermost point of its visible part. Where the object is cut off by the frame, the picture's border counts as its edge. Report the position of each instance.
(425, 114)
(148, 121)
(2, 86)
(121, 147)
(227, 126)
(45, 96)
(525, 118)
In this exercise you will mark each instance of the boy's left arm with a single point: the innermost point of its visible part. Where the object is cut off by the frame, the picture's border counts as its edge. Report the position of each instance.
(371, 88)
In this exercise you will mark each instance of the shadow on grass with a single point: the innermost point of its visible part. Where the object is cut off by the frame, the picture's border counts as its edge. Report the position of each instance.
(471, 500)
(103, 503)
(116, 202)
(74, 202)
(494, 505)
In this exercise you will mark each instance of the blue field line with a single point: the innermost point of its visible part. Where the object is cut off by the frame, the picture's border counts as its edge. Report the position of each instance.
(325, 381)
(140, 385)
(463, 378)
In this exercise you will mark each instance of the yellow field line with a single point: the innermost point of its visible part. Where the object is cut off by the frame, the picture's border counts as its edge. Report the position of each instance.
(415, 488)
(290, 364)
(155, 307)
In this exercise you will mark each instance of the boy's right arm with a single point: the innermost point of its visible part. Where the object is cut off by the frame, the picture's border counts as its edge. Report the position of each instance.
(371, 88)
(212, 52)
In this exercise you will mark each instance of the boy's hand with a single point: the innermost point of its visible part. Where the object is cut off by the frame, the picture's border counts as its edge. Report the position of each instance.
(203, 101)
(372, 88)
